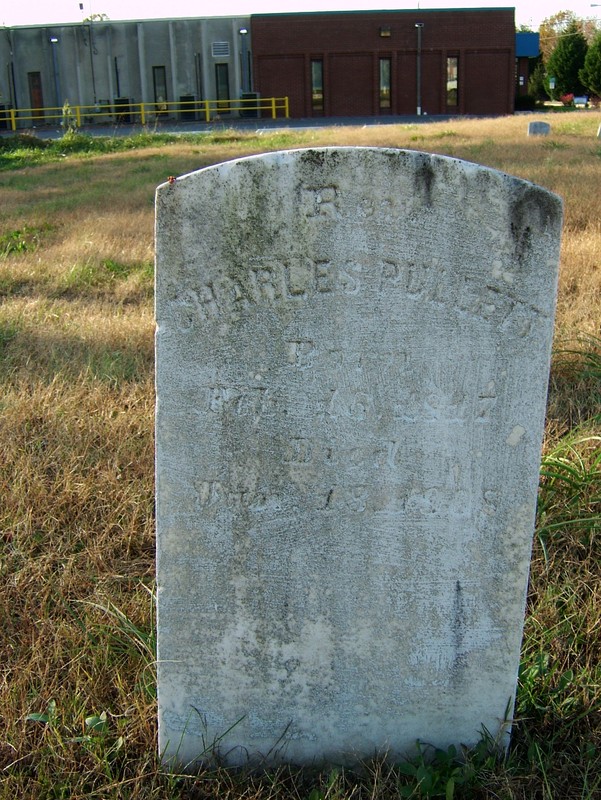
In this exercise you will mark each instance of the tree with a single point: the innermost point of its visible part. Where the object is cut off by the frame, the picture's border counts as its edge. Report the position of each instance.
(553, 28)
(590, 74)
(566, 61)
(97, 17)
(536, 84)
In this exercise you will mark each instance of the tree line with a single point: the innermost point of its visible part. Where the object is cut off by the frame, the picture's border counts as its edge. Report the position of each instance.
(570, 60)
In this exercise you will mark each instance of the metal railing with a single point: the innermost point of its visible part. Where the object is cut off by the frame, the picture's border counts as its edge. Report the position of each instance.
(126, 113)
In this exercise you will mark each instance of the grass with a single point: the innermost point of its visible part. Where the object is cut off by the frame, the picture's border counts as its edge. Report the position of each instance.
(77, 699)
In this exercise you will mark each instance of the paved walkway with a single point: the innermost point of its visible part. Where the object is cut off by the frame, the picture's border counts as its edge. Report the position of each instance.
(258, 125)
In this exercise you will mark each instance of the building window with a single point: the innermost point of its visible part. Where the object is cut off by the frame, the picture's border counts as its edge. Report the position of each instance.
(385, 64)
(453, 81)
(317, 86)
(159, 78)
(222, 84)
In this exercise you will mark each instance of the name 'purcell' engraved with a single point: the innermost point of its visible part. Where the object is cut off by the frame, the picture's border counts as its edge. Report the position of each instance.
(431, 282)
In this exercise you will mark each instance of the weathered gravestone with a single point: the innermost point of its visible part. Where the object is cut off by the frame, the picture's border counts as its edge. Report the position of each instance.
(352, 359)
(539, 129)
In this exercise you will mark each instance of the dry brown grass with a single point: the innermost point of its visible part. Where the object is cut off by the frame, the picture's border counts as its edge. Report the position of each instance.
(76, 478)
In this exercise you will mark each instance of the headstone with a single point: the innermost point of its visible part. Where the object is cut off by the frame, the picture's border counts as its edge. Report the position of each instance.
(599, 132)
(539, 129)
(352, 359)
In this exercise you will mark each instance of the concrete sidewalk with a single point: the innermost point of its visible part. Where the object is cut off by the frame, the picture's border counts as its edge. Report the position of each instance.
(263, 125)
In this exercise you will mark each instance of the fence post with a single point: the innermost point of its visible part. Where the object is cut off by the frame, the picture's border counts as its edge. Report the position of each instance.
(273, 111)
(13, 119)
(207, 111)
(78, 116)
(287, 108)
(142, 114)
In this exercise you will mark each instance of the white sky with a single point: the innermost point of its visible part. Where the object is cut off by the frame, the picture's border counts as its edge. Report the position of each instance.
(39, 12)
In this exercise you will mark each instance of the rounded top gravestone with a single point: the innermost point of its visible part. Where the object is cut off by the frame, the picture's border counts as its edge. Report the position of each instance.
(352, 359)
(539, 129)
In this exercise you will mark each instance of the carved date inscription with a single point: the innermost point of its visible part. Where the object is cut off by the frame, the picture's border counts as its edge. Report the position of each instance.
(239, 400)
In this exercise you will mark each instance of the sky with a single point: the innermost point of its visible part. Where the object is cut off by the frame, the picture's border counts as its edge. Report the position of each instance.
(41, 12)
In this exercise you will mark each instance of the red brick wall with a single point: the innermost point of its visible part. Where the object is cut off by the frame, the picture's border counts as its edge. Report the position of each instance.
(434, 72)
(350, 45)
(350, 85)
(486, 82)
(283, 76)
(404, 80)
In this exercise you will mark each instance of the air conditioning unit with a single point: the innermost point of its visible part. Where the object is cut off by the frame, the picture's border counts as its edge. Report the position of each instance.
(248, 109)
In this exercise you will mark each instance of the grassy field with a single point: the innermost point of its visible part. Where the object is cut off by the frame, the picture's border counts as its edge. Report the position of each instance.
(77, 678)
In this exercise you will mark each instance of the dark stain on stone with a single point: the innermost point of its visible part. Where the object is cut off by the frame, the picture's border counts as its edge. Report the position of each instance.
(531, 213)
(524, 214)
(424, 181)
(458, 624)
(319, 158)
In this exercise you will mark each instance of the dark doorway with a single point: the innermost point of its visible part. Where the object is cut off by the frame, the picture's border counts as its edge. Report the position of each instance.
(36, 97)
(222, 84)
(159, 78)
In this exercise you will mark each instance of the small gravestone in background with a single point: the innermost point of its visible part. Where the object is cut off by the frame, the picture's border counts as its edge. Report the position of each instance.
(599, 132)
(352, 358)
(539, 129)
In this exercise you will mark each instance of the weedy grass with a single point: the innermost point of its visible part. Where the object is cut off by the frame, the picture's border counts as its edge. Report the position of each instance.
(25, 149)
(77, 680)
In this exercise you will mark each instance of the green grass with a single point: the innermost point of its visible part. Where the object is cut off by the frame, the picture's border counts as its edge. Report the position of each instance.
(23, 240)
(77, 693)
(89, 275)
(26, 150)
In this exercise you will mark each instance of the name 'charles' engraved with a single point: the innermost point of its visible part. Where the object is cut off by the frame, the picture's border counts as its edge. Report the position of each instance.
(264, 281)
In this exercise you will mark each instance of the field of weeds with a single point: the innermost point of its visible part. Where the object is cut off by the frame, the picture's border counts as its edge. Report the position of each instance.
(77, 677)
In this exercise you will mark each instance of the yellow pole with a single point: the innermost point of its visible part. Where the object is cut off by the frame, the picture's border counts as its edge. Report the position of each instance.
(142, 114)
(207, 111)
(273, 111)
(286, 107)
(78, 116)
(13, 119)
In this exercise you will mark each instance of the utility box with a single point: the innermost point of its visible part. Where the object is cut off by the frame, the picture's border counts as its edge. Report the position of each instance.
(187, 111)
(122, 110)
(250, 110)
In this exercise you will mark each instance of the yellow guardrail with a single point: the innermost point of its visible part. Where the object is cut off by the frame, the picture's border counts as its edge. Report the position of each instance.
(208, 110)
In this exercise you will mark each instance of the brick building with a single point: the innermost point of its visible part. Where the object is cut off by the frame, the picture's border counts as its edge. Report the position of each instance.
(387, 62)
(330, 64)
